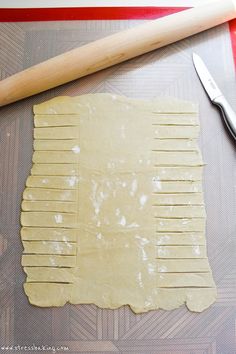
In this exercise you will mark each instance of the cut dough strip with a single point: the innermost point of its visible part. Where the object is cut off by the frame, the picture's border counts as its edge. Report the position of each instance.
(55, 157)
(177, 158)
(174, 119)
(174, 144)
(180, 211)
(175, 132)
(180, 238)
(180, 280)
(174, 187)
(42, 260)
(48, 234)
(187, 173)
(49, 274)
(54, 145)
(50, 194)
(63, 207)
(181, 252)
(54, 182)
(180, 225)
(49, 247)
(56, 120)
(183, 265)
(44, 169)
(48, 219)
(178, 199)
(56, 133)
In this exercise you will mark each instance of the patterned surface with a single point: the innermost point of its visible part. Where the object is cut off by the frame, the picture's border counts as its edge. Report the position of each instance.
(169, 71)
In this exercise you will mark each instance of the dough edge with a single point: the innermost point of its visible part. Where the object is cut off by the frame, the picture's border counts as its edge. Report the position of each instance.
(195, 299)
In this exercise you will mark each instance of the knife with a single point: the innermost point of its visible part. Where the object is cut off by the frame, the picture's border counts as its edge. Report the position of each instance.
(215, 94)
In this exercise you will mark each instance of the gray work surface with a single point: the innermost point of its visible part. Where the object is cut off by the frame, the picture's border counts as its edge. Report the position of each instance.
(165, 72)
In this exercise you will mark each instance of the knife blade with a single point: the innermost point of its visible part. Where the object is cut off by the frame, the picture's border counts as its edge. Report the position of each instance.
(215, 94)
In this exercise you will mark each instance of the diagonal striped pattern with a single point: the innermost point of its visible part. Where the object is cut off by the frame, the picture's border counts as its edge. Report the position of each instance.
(177, 346)
(83, 322)
(222, 264)
(227, 289)
(11, 50)
(9, 141)
(7, 325)
(8, 282)
(3, 74)
(3, 245)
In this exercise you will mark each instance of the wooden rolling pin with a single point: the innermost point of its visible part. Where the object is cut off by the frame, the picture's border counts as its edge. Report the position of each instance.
(114, 49)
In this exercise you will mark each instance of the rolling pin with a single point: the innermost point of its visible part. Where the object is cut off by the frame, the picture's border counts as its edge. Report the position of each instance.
(114, 49)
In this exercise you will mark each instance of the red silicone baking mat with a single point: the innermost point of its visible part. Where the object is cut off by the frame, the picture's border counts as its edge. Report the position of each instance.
(98, 13)
(165, 72)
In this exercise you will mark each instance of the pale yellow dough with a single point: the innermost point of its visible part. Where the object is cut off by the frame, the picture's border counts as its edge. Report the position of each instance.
(45, 194)
(44, 260)
(47, 169)
(113, 211)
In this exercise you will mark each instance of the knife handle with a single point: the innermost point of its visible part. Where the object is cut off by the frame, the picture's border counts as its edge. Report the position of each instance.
(228, 114)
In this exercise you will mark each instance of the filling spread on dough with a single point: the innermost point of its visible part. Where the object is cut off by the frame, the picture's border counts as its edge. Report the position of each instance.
(113, 209)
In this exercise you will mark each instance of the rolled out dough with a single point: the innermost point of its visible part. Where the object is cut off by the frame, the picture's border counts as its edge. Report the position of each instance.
(113, 210)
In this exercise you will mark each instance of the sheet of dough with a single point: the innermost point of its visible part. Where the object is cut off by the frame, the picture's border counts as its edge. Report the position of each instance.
(113, 210)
